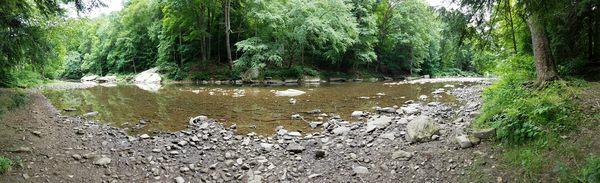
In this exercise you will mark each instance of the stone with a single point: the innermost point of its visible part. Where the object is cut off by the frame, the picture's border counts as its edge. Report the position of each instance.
(179, 179)
(182, 143)
(423, 97)
(342, 130)
(90, 114)
(390, 136)
(295, 134)
(315, 111)
(360, 170)
(144, 136)
(297, 117)
(102, 161)
(320, 154)
(486, 133)
(107, 79)
(289, 93)
(387, 110)
(463, 141)
(37, 133)
(292, 101)
(313, 175)
(253, 178)
(266, 146)
(89, 78)
(401, 155)
(21, 150)
(149, 76)
(156, 150)
(421, 129)
(358, 114)
(295, 148)
(379, 122)
(76, 157)
(198, 119)
(409, 110)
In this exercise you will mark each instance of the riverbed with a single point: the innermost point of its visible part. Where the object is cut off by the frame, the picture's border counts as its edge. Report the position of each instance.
(249, 108)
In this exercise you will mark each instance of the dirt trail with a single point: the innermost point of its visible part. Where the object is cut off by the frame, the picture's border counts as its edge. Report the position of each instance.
(72, 149)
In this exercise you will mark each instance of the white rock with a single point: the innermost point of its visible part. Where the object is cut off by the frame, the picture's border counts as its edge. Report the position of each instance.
(360, 170)
(289, 93)
(89, 78)
(179, 180)
(295, 134)
(358, 114)
(342, 130)
(144, 136)
(421, 129)
(463, 141)
(148, 76)
(102, 161)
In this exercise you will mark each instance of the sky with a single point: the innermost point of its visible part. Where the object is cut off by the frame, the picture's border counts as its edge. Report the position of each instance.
(117, 5)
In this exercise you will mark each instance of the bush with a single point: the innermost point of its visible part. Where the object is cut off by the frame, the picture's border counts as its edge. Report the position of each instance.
(5, 164)
(521, 113)
(11, 99)
(291, 73)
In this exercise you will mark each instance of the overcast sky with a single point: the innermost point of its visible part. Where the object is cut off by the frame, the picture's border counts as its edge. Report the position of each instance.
(116, 5)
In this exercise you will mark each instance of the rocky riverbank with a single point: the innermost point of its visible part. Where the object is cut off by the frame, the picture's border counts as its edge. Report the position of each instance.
(412, 142)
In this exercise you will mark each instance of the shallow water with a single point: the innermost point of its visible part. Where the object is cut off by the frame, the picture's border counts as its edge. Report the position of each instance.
(252, 108)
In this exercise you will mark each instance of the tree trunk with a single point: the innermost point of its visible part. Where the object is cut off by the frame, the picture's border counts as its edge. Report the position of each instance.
(226, 7)
(544, 65)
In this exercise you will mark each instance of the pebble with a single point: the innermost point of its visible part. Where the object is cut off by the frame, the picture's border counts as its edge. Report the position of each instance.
(179, 180)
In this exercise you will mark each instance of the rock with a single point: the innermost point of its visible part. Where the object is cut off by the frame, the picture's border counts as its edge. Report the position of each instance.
(315, 124)
(182, 143)
(380, 94)
(421, 129)
(463, 141)
(410, 110)
(379, 122)
(438, 91)
(295, 134)
(107, 79)
(319, 154)
(144, 136)
(295, 148)
(387, 110)
(149, 87)
(486, 133)
(198, 119)
(448, 86)
(21, 150)
(342, 130)
(289, 93)
(253, 178)
(76, 157)
(292, 101)
(179, 179)
(423, 97)
(282, 132)
(89, 78)
(102, 161)
(156, 150)
(313, 175)
(266, 146)
(358, 114)
(360, 170)
(390, 136)
(149, 76)
(297, 117)
(401, 155)
(315, 111)
(90, 114)
(37, 133)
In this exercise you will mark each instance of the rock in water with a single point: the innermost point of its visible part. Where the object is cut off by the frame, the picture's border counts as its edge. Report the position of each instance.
(149, 76)
(292, 101)
(463, 141)
(89, 78)
(421, 129)
(289, 93)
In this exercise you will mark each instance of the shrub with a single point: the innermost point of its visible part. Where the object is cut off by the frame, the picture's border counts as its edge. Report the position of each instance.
(591, 170)
(5, 164)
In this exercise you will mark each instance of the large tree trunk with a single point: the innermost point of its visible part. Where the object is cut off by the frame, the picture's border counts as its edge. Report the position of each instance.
(544, 65)
(226, 7)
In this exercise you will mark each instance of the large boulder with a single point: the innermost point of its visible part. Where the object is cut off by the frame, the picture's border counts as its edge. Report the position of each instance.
(421, 129)
(107, 79)
(89, 78)
(149, 76)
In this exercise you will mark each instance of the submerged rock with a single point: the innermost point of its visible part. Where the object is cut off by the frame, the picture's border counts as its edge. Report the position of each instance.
(289, 93)
(421, 129)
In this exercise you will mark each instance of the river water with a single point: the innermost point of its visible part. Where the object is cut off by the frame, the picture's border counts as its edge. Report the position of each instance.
(251, 108)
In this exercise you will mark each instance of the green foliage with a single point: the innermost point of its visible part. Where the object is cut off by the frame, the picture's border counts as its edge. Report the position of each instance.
(290, 73)
(5, 164)
(591, 170)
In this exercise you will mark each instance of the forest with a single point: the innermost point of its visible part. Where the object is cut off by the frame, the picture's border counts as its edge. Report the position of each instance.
(541, 58)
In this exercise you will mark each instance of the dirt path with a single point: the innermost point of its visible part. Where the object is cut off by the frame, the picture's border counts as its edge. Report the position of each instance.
(72, 149)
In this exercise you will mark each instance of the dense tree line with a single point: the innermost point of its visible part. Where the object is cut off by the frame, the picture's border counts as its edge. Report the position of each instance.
(224, 39)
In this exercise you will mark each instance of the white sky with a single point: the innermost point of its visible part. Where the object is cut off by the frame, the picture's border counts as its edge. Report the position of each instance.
(117, 5)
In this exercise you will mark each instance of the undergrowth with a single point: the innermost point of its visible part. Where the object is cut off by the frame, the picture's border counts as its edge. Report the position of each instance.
(5, 164)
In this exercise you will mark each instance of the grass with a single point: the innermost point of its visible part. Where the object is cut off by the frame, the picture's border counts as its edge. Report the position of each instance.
(5, 164)
(547, 135)
(11, 98)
